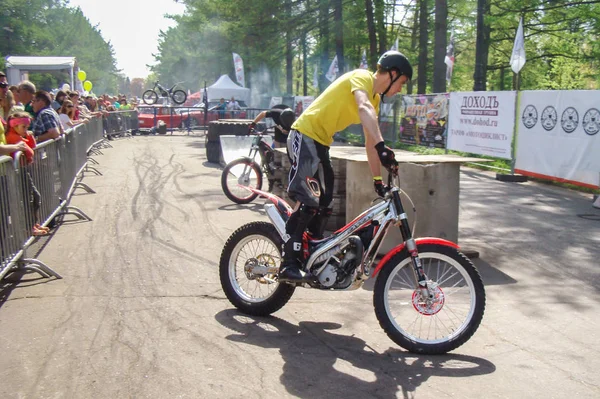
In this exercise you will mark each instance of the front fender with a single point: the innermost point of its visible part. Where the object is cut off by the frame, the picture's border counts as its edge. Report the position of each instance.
(418, 241)
(248, 160)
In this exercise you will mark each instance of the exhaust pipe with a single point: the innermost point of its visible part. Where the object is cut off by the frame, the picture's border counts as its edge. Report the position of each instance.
(277, 221)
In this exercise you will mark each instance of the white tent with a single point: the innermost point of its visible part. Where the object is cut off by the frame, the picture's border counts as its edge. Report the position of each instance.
(17, 66)
(225, 88)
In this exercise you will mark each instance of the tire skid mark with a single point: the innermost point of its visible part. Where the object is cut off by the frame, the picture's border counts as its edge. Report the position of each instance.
(203, 212)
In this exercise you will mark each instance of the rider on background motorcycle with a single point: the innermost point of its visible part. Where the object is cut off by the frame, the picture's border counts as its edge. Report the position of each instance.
(282, 116)
(352, 98)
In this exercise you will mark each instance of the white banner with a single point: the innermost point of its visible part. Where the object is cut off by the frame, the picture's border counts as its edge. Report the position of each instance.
(482, 122)
(301, 103)
(333, 70)
(363, 61)
(238, 65)
(558, 135)
(275, 101)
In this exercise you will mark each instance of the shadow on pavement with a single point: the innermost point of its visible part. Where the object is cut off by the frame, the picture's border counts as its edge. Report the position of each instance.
(197, 144)
(254, 207)
(20, 279)
(319, 363)
(491, 275)
(553, 229)
(212, 165)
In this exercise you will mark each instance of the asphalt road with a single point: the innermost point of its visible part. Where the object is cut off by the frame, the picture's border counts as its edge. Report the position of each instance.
(140, 312)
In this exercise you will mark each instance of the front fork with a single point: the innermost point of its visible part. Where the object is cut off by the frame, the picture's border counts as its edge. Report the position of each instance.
(248, 168)
(411, 246)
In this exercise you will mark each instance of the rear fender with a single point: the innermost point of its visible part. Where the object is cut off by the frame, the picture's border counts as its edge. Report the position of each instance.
(418, 241)
(283, 207)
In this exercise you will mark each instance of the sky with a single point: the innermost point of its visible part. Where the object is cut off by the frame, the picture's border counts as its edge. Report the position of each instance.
(132, 27)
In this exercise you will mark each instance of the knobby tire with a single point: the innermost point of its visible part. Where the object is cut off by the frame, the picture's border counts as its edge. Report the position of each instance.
(225, 181)
(279, 297)
(409, 342)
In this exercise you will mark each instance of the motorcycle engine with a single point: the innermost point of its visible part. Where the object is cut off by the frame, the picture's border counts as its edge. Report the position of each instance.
(340, 269)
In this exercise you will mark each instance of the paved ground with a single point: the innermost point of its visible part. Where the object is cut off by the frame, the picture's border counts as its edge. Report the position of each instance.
(140, 312)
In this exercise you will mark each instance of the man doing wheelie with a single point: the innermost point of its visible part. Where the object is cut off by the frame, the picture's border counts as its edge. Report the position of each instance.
(353, 98)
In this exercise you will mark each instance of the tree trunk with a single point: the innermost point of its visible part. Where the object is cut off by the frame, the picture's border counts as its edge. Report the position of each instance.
(439, 50)
(413, 45)
(289, 55)
(380, 21)
(372, 34)
(423, 39)
(304, 66)
(482, 46)
(324, 39)
(339, 34)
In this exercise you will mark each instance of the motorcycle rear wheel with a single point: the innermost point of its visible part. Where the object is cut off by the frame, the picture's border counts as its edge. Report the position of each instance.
(179, 97)
(253, 294)
(444, 323)
(245, 172)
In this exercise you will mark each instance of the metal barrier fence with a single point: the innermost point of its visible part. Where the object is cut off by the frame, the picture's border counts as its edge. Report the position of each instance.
(185, 118)
(40, 192)
(120, 123)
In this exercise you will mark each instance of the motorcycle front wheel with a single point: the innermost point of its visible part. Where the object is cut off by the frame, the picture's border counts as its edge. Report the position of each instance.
(150, 97)
(248, 267)
(241, 172)
(435, 325)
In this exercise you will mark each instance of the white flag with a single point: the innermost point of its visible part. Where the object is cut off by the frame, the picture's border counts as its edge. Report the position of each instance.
(316, 77)
(517, 59)
(395, 46)
(333, 70)
(238, 65)
(363, 61)
(449, 59)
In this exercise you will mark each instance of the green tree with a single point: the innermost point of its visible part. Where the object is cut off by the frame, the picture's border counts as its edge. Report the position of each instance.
(52, 28)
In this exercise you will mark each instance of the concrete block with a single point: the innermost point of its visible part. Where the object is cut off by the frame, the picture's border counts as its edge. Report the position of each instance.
(434, 189)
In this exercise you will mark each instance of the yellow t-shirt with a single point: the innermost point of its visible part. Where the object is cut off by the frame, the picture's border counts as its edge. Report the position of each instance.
(336, 109)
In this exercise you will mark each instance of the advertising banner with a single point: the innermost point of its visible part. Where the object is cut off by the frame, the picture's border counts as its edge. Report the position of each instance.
(238, 65)
(424, 119)
(301, 103)
(558, 135)
(333, 70)
(482, 122)
(275, 101)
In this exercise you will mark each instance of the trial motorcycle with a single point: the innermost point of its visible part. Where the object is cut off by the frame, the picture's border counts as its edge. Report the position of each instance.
(428, 297)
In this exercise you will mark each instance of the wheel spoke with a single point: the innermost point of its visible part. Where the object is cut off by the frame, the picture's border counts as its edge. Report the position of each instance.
(433, 320)
(241, 173)
(264, 253)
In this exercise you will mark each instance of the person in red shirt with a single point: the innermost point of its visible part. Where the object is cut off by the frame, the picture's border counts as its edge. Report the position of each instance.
(17, 133)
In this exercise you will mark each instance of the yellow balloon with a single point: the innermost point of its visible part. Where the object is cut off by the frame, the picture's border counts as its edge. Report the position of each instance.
(87, 85)
(81, 75)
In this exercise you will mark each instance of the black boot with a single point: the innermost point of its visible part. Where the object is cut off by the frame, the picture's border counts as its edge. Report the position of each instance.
(317, 225)
(293, 257)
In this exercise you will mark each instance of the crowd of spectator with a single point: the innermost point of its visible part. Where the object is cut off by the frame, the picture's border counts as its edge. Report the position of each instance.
(52, 113)
(29, 116)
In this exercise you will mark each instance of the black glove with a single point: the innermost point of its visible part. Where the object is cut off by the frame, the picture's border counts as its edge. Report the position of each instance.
(380, 188)
(386, 156)
(251, 128)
